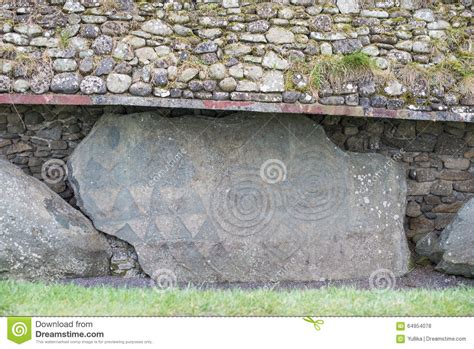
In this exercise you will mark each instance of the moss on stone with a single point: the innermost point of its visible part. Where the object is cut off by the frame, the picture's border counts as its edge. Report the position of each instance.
(456, 38)
(338, 70)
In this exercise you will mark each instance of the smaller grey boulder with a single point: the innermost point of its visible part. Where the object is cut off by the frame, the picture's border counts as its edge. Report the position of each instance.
(157, 27)
(64, 65)
(141, 89)
(228, 84)
(5, 83)
(41, 236)
(41, 79)
(348, 6)
(66, 83)
(93, 85)
(72, 6)
(273, 81)
(424, 14)
(453, 250)
(321, 23)
(217, 71)
(206, 47)
(16, 39)
(278, 35)
(347, 46)
(103, 45)
(105, 66)
(160, 77)
(118, 83)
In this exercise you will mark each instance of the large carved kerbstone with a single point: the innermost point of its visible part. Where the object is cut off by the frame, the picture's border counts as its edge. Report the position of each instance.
(242, 198)
(42, 236)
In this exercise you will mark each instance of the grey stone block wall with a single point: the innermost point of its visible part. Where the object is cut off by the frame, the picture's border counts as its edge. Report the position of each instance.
(439, 158)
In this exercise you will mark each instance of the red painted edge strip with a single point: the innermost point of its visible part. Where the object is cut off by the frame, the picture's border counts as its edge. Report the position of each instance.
(296, 108)
(211, 104)
(45, 99)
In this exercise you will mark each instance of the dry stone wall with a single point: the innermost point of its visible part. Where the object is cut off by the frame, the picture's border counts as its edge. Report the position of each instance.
(395, 54)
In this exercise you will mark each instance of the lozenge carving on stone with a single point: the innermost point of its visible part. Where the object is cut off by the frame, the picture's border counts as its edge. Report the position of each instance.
(244, 198)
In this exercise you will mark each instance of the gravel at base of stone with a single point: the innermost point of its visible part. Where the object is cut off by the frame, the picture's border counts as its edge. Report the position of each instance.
(421, 277)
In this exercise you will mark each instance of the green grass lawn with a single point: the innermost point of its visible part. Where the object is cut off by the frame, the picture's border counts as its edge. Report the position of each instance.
(20, 298)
